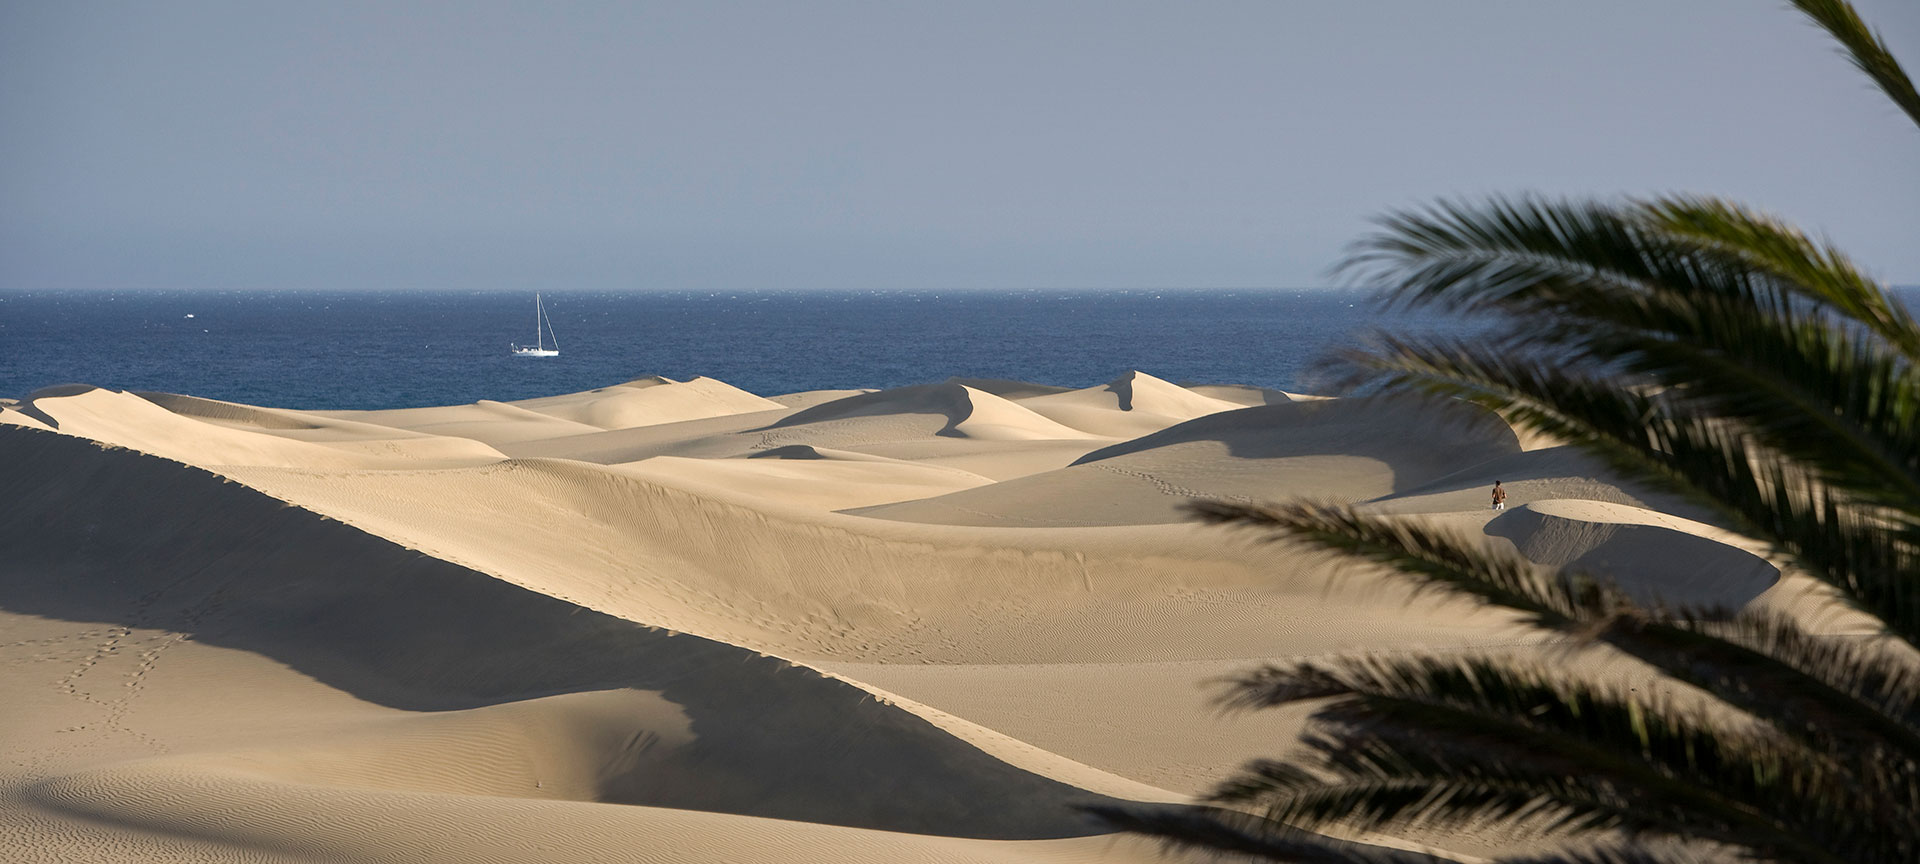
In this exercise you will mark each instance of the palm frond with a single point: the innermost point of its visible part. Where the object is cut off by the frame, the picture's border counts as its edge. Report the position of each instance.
(1845, 410)
(1868, 53)
(1610, 285)
(1764, 493)
(1437, 559)
(1837, 694)
(1443, 742)
(1502, 255)
(1749, 242)
(1814, 689)
(1718, 354)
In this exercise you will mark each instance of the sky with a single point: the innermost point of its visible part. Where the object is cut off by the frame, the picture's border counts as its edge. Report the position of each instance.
(740, 146)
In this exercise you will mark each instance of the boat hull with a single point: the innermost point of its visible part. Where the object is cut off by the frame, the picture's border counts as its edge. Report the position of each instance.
(535, 352)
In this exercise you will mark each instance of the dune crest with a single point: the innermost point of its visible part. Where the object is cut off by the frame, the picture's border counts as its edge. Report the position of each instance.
(1653, 556)
(1349, 450)
(215, 433)
(969, 413)
(824, 482)
(695, 724)
(649, 402)
(1129, 406)
(674, 621)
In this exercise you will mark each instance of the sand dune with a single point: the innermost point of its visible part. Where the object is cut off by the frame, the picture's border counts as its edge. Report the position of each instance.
(969, 413)
(493, 423)
(14, 413)
(810, 398)
(1655, 556)
(696, 725)
(741, 567)
(1538, 474)
(674, 621)
(232, 414)
(1348, 450)
(410, 449)
(1009, 389)
(707, 438)
(1245, 396)
(148, 425)
(270, 821)
(650, 401)
(819, 481)
(1129, 406)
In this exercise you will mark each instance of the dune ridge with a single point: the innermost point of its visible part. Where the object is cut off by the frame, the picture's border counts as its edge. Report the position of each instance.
(649, 402)
(1657, 557)
(676, 621)
(969, 412)
(454, 641)
(1129, 406)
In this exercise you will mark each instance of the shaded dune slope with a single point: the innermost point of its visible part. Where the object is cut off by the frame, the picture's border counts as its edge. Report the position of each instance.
(732, 566)
(1654, 556)
(1243, 395)
(1138, 391)
(1436, 435)
(231, 413)
(818, 481)
(496, 424)
(1345, 449)
(109, 539)
(534, 631)
(1129, 406)
(1547, 473)
(808, 452)
(1007, 389)
(969, 413)
(707, 437)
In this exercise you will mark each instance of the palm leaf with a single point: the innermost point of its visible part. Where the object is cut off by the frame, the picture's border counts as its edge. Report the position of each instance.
(1866, 50)
(1815, 689)
(1604, 284)
(1763, 493)
(1746, 242)
(1437, 559)
(1444, 742)
(1718, 354)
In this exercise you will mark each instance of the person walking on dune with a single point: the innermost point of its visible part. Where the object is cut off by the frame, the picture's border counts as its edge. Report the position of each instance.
(1499, 496)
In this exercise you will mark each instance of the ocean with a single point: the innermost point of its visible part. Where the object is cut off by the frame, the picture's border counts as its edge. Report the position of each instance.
(389, 350)
(385, 350)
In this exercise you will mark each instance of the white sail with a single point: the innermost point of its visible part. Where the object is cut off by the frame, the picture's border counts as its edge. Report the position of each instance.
(542, 328)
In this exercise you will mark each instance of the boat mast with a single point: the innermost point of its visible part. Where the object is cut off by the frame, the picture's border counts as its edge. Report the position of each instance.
(537, 315)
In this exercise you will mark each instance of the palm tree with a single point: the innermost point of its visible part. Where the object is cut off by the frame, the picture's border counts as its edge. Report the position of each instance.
(1695, 345)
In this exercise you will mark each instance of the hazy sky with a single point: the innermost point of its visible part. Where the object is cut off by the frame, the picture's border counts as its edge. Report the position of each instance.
(740, 146)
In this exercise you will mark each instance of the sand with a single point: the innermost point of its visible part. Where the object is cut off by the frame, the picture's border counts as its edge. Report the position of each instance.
(675, 621)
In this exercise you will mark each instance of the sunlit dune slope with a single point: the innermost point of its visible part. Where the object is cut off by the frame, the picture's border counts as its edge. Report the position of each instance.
(661, 720)
(1345, 450)
(674, 621)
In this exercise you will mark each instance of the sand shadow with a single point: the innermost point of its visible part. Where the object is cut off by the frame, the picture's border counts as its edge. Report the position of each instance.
(102, 534)
(1376, 427)
(1651, 563)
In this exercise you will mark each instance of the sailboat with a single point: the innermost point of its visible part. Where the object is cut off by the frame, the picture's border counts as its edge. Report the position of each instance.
(542, 328)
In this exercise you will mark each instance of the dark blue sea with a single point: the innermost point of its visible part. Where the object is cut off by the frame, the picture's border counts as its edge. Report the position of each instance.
(373, 350)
